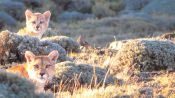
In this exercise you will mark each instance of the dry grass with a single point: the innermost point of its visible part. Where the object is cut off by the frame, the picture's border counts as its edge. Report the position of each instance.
(99, 32)
(141, 84)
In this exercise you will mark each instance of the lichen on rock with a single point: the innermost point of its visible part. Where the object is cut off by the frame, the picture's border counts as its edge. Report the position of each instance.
(144, 55)
(13, 47)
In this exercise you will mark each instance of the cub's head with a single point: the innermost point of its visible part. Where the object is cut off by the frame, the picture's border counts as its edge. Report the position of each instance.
(41, 68)
(37, 22)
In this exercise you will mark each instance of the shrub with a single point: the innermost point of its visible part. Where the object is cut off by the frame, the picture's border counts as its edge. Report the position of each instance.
(13, 47)
(106, 8)
(70, 75)
(13, 86)
(144, 55)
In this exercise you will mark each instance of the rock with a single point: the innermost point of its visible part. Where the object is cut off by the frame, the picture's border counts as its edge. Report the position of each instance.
(13, 47)
(69, 72)
(74, 15)
(160, 7)
(13, 86)
(15, 9)
(144, 55)
(6, 20)
(117, 45)
(66, 42)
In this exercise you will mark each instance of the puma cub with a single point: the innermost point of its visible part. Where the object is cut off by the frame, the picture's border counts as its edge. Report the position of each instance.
(36, 23)
(39, 69)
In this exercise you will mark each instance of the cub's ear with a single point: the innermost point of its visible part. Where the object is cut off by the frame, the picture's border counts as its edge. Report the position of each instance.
(47, 15)
(28, 14)
(29, 56)
(53, 56)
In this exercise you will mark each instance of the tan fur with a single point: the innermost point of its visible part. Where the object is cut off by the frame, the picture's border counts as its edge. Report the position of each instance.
(39, 69)
(36, 23)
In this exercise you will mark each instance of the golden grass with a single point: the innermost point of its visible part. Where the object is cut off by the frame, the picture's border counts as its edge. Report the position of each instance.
(162, 83)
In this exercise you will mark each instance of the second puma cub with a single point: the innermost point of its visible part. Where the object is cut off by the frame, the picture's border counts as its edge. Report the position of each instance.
(36, 23)
(39, 69)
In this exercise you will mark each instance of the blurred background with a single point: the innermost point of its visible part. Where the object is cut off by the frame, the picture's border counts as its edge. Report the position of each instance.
(98, 21)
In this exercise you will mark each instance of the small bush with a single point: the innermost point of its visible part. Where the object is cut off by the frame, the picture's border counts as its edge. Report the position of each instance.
(70, 75)
(145, 55)
(102, 10)
(107, 8)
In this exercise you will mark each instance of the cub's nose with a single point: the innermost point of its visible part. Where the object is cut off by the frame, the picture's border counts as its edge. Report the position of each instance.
(37, 27)
(41, 74)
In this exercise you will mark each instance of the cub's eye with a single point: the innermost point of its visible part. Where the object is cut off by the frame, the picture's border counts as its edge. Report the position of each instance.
(36, 66)
(33, 22)
(47, 66)
(41, 22)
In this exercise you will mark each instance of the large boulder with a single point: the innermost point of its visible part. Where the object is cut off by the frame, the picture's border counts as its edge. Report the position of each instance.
(15, 9)
(13, 86)
(13, 47)
(144, 55)
(160, 7)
